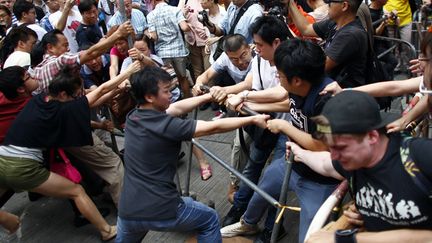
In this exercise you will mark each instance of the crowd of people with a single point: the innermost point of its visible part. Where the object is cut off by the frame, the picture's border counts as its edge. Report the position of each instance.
(74, 71)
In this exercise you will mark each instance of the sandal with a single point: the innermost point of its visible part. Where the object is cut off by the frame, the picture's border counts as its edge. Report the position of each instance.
(111, 234)
(206, 171)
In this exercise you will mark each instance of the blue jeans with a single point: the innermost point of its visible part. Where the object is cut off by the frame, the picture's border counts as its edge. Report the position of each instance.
(191, 216)
(309, 193)
(252, 171)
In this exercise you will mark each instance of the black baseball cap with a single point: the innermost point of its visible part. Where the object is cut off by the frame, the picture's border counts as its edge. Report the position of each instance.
(353, 112)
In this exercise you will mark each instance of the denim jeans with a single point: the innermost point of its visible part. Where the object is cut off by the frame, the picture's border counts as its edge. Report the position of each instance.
(191, 216)
(252, 171)
(309, 193)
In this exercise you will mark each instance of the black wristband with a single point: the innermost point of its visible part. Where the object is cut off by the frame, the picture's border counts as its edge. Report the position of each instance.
(346, 236)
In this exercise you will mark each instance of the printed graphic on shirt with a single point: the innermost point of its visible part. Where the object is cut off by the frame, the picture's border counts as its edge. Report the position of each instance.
(298, 119)
(376, 203)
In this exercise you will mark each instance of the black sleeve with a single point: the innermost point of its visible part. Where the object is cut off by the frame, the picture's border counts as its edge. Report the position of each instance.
(421, 153)
(323, 28)
(341, 49)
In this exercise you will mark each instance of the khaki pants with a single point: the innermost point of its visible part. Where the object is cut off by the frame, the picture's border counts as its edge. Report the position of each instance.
(104, 162)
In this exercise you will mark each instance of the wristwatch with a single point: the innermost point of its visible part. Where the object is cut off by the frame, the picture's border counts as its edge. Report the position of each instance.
(346, 236)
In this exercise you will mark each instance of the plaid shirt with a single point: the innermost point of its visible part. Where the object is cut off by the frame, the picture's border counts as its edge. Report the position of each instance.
(138, 21)
(164, 20)
(49, 68)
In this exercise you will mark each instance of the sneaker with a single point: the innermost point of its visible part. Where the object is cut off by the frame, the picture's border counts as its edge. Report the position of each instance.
(233, 216)
(239, 228)
(219, 115)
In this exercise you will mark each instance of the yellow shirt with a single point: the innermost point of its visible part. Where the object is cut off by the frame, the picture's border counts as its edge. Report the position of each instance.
(403, 9)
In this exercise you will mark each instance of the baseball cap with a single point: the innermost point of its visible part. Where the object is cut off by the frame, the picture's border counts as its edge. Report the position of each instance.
(352, 112)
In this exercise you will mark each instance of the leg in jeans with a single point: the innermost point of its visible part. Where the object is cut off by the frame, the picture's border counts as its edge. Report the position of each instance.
(252, 171)
(311, 196)
(191, 215)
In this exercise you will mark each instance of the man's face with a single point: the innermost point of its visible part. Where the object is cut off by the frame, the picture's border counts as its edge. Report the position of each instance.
(264, 49)
(352, 152)
(335, 8)
(90, 17)
(8, 3)
(285, 84)
(53, 5)
(5, 19)
(128, 7)
(28, 45)
(95, 64)
(162, 101)
(61, 47)
(238, 3)
(29, 17)
(241, 58)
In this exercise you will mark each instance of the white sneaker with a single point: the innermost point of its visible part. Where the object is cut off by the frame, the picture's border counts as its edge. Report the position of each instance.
(239, 228)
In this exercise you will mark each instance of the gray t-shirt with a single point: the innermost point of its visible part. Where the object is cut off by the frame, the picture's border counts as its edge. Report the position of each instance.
(152, 145)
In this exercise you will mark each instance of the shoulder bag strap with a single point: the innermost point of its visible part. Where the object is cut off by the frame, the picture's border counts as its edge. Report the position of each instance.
(239, 15)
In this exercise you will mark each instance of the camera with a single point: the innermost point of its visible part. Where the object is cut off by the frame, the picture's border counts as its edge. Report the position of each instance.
(203, 17)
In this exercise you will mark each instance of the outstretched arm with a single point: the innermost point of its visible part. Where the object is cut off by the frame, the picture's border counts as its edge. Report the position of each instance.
(186, 105)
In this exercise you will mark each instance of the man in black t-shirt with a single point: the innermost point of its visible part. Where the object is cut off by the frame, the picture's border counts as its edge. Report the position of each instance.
(346, 43)
(88, 33)
(149, 199)
(390, 178)
(303, 78)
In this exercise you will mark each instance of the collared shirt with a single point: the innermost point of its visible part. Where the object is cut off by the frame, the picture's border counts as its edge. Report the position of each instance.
(164, 20)
(138, 21)
(45, 23)
(50, 67)
(242, 27)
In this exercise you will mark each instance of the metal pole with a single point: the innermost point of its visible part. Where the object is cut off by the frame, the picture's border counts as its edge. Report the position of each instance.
(254, 187)
(283, 196)
(189, 164)
(122, 10)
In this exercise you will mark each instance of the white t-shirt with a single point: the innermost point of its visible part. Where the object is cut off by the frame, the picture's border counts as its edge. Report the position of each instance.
(223, 63)
(18, 58)
(73, 22)
(269, 75)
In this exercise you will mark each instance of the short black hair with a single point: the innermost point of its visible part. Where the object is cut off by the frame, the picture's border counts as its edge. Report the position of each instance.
(300, 58)
(50, 38)
(68, 80)
(146, 81)
(20, 7)
(269, 28)
(234, 42)
(11, 79)
(86, 5)
(354, 5)
(20, 33)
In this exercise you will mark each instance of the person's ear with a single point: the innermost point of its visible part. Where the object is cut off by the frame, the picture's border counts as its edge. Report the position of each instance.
(276, 42)
(21, 90)
(149, 98)
(20, 44)
(346, 6)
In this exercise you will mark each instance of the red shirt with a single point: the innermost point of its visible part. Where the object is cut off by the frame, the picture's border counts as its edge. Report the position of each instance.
(9, 110)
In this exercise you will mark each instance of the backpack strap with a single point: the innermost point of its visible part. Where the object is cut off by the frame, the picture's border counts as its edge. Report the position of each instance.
(242, 10)
(421, 181)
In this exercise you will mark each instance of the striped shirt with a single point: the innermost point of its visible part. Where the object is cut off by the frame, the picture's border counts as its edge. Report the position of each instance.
(138, 21)
(164, 20)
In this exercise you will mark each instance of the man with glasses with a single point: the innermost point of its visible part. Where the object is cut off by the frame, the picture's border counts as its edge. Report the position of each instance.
(346, 45)
(389, 174)
(26, 14)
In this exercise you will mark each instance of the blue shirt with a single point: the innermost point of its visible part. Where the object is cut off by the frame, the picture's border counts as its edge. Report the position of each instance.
(138, 21)
(164, 20)
(252, 13)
